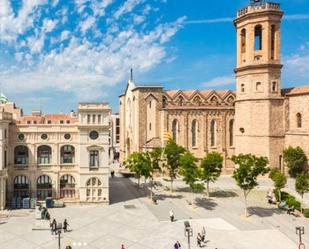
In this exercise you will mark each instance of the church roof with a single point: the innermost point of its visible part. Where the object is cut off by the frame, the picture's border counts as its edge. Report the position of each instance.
(295, 91)
(204, 93)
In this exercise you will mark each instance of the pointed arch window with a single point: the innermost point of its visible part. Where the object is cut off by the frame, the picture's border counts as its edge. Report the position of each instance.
(175, 128)
(231, 132)
(213, 131)
(164, 102)
(258, 37)
(299, 120)
(243, 40)
(194, 131)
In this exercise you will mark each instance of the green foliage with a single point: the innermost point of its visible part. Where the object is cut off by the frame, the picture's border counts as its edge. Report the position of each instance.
(211, 167)
(295, 159)
(302, 183)
(190, 172)
(135, 163)
(279, 180)
(306, 213)
(173, 152)
(249, 168)
(288, 198)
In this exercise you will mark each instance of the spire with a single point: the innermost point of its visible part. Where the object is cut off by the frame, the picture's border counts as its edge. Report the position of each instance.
(131, 74)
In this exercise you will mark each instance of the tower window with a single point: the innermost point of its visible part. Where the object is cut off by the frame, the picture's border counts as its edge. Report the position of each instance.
(242, 88)
(150, 126)
(259, 87)
(150, 104)
(273, 30)
(274, 86)
(243, 40)
(299, 120)
(258, 37)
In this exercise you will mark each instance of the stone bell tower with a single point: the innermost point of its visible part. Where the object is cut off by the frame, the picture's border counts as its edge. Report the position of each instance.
(259, 105)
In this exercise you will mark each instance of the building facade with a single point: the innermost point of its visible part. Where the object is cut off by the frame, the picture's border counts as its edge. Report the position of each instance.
(259, 117)
(64, 156)
(114, 138)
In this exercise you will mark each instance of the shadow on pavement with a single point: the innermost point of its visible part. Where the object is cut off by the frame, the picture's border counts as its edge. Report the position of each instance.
(162, 197)
(264, 212)
(123, 189)
(223, 194)
(208, 204)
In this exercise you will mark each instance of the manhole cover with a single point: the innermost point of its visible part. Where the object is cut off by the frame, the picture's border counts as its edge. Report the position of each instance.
(129, 206)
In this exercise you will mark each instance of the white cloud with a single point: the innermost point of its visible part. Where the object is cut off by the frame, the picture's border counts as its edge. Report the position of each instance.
(72, 61)
(87, 24)
(220, 81)
(128, 6)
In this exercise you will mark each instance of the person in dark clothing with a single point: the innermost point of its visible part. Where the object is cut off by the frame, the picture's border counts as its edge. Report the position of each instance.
(53, 226)
(65, 225)
(199, 240)
(177, 245)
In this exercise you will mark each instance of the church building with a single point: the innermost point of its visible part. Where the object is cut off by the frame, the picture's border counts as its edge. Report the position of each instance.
(260, 117)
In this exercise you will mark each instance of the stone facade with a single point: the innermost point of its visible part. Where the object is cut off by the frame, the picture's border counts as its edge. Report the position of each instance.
(259, 118)
(64, 156)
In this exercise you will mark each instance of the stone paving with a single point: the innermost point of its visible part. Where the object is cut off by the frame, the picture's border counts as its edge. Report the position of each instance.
(138, 224)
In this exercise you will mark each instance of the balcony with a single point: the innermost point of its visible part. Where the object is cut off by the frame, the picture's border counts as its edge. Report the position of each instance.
(258, 8)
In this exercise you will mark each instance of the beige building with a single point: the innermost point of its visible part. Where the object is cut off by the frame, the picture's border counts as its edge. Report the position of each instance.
(259, 118)
(64, 156)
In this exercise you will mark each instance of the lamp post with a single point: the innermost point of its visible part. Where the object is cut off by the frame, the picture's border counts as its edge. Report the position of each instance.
(58, 232)
(188, 232)
(300, 231)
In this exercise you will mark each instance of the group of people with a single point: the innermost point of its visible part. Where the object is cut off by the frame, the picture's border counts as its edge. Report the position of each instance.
(53, 226)
(271, 198)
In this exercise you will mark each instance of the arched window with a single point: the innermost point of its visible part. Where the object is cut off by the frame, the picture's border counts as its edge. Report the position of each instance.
(274, 86)
(94, 191)
(21, 155)
(213, 131)
(21, 186)
(194, 130)
(44, 154)
(67, 153)
(175, 129)
(67, 186)
(243, 40)
(258, 37)
(299, 120)
(242, 88)
(231, 132)
(44, 187)
(164, 102)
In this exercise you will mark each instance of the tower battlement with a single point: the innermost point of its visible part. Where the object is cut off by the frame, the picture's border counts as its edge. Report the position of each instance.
(258, 7)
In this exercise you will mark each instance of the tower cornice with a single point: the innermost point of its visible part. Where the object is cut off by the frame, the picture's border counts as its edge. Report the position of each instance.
(259, 66)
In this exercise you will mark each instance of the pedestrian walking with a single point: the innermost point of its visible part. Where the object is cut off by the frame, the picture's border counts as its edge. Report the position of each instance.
(112, 173)
(172, 215)
(122, 247)
(199, 240)
(53, 227)
(177, 245)
(203, 234)
(65, 225)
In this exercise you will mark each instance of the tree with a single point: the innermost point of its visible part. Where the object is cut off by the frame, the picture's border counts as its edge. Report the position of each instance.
(302, 185)
(152, 160)
(136, 163)
(173, 153)
(279, 180)
(190, 172)
(295, 159)
(211, 168)
(249, 168)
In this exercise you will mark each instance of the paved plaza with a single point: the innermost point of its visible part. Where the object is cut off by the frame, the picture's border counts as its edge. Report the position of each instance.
(133, 221)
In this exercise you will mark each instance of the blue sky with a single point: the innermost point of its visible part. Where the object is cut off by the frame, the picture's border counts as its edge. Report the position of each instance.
(55, 53)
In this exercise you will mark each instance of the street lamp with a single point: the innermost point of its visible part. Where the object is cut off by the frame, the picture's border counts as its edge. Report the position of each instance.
(188, 232)
(300, 231)
(58, 232)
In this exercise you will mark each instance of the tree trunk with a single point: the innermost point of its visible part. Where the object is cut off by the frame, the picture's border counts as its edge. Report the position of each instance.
(138, 181)
(151, 183)
(279, 192)
(207, 188)
(172, 184)
(246, 206)
(301, 205)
